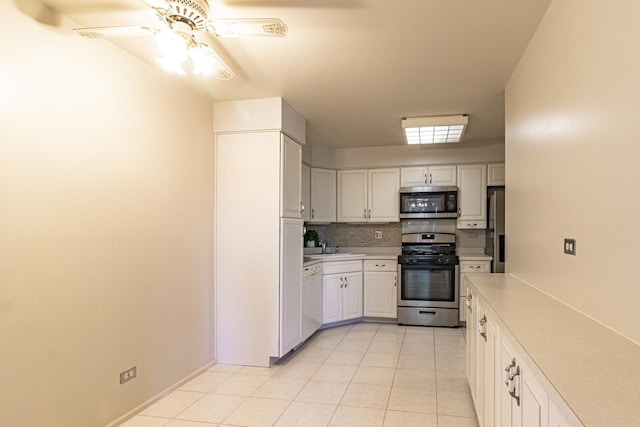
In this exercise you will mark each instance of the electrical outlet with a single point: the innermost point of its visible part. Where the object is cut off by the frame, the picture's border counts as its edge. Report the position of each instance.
(128, 375)
(377, 234)
(570, 246)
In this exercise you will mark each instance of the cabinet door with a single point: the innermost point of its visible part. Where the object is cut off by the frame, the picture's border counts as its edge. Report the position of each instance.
(306, 193)
(414, 176)
(471, 342)
(352, 196)
(332, 286)
(441, 175)
(352, 296)
(384, 195)
(290, 178)
(495, 174)
(472, 193)
(485, 367)
(533, 400)
(508, 408)
(380, 294)
(291, 285)
(323, 195)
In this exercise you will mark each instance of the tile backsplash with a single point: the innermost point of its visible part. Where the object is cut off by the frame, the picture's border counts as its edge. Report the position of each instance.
(363, 235)
(359, 235)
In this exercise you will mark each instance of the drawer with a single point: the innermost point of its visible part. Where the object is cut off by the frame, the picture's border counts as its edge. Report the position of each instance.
(475, 266)
(337, 267)
(467, 224)
(380, 265)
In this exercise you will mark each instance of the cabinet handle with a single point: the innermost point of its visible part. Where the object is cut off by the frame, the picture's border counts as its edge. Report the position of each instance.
(430, 179)
(313, 213)
(511, 372)
(341, 282)
(468, 302)
(365, 214)
(459, 211)
(369, 217)
(395, 282)
(481, 327)
(381, 265)
(426, 179)
(301, 207)
(346, 282)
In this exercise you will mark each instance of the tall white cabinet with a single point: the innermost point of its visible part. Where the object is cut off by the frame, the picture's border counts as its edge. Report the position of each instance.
(258, 230)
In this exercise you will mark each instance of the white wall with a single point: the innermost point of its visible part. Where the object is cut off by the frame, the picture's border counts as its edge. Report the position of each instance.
(411, 155)
(106, 205)
(572, 159)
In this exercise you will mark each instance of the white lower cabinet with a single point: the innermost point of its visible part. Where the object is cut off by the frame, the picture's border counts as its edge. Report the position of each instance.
(523, 401)
(341, 291)
(469, 266)
(506, 390)
(485, 363)
(380, 288)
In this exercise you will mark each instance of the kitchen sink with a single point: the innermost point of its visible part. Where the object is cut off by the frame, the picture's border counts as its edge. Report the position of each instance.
(334, 256)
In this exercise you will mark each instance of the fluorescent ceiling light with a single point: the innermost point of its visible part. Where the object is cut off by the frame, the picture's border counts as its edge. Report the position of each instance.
(433, 130)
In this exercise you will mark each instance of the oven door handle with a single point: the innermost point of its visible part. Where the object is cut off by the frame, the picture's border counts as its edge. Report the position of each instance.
(427, 312)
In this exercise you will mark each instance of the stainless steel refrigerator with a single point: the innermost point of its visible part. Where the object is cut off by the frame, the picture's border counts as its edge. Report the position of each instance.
(495, 231)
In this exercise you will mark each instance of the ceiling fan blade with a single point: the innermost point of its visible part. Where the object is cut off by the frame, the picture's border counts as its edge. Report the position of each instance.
(249, 27)
(103, 32)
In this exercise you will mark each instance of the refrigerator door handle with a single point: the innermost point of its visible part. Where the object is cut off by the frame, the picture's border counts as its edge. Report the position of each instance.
(501, 248)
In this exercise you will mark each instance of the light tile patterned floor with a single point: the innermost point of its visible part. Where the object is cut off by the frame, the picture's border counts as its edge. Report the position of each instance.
(366, 374)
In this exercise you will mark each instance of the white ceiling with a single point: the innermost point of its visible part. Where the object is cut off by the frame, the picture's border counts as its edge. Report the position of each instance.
(355, 68)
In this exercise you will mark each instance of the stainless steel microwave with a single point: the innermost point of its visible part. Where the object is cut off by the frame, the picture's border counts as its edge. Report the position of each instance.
(428, 202)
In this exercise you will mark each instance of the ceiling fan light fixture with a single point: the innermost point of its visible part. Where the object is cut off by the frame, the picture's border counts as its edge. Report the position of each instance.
(434, 129)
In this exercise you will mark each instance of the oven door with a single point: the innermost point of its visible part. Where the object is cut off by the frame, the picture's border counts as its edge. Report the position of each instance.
(422, 285)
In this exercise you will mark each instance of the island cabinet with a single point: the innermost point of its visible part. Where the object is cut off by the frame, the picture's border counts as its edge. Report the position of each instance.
(368, 195)
(341, 291)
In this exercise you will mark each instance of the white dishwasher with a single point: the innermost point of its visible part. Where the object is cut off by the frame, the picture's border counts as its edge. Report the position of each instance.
(311, 299)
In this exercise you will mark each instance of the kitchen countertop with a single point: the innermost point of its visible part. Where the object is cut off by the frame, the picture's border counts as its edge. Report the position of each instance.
(351, 254)
(473, 255)
(595, 370)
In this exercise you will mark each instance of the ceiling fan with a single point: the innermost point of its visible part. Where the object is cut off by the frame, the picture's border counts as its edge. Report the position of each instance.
(181, 35)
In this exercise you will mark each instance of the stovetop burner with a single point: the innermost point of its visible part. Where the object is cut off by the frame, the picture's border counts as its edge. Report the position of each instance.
(428, 248)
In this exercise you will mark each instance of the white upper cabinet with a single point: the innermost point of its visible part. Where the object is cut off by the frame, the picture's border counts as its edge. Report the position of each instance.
(369, 195)
(291, 178)
(384, 195)
(323, 196)
(495, 174)
(352, 196)
(472, 196)
(306, 193)
(428, 176)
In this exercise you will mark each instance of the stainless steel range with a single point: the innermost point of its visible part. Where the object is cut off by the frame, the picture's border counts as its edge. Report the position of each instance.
(428, 280)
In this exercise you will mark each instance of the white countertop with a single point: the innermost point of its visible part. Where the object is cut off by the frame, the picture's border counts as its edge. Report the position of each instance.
(311, 259)
(595, 370)
(473, 254)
